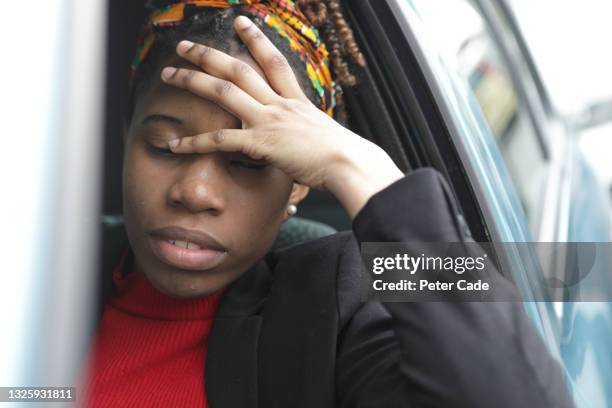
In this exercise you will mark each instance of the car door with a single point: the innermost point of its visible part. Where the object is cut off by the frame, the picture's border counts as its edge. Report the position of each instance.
(462, 96)
(577, 211)
(51, 185)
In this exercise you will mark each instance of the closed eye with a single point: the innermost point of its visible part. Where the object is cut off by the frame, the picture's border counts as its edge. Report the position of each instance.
(242, 160)
(239, 160)
(160, 151)
(249, 164)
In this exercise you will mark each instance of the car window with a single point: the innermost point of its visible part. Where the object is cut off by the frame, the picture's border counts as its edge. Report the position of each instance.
(462, 35)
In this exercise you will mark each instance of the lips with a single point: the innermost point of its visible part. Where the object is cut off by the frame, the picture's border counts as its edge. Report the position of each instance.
(187, 249)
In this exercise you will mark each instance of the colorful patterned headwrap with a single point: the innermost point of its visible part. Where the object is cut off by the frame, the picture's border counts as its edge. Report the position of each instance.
(282, 15)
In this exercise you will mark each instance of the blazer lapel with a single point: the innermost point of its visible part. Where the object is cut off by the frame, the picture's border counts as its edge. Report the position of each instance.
(231, 362)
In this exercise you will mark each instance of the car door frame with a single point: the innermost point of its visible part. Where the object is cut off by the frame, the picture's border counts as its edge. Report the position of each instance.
(418, 98)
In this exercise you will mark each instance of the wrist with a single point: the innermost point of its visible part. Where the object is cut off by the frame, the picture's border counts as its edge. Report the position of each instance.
(357, 177)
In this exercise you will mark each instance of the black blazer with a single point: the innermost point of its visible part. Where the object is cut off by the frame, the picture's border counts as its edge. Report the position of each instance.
(293, 332)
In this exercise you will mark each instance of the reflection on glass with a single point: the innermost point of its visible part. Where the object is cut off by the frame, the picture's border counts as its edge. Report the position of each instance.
(465, 42)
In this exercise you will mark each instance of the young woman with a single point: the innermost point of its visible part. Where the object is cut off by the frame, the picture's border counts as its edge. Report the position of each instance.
(232, 123)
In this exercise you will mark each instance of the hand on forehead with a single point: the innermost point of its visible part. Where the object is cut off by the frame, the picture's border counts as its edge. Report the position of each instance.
(182, 104)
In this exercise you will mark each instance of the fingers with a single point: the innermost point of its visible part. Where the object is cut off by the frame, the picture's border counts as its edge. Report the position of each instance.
(247, 141)
(275, 65)
(221, 65)
(222, 92)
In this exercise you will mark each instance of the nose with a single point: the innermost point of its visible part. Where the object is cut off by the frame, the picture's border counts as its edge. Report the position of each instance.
(199, 185)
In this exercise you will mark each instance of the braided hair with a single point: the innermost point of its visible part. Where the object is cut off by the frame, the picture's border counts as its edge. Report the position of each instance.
(215, 28)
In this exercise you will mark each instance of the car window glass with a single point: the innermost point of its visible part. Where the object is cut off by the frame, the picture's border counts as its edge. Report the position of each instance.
(463, 38)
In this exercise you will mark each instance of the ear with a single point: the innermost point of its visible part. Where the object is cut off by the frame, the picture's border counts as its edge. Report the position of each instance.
(298, 193)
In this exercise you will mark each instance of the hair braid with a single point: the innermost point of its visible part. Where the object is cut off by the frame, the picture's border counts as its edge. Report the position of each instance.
(315, 10)
(327, 17)
(346, 34)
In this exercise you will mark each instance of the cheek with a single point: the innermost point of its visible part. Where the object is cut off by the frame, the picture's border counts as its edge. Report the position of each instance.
(141, 197)
(261, 206)
(269, 199)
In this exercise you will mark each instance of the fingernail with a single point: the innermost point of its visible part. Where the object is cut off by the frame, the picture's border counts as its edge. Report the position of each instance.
(242, 22)
(167, 73)
(173, 143)
(184, 46)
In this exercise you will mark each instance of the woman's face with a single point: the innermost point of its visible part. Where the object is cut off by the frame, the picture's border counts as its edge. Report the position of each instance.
(227, 204)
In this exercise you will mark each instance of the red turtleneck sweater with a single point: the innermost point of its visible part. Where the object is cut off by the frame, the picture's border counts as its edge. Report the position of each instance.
(150, 349)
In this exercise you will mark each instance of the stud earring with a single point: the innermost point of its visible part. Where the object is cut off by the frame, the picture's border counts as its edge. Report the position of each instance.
(291, 209)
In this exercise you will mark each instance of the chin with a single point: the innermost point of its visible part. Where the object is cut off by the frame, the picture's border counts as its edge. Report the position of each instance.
(184, 284)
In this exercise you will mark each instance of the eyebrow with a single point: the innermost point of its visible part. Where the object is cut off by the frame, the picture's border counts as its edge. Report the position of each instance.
(158, 117)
